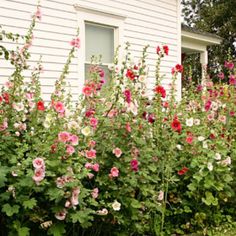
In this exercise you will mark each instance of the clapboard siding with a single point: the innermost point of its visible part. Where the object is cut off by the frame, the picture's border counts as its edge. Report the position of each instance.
(152, 22)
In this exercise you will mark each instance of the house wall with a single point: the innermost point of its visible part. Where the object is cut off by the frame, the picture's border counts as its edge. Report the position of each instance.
(152, 22)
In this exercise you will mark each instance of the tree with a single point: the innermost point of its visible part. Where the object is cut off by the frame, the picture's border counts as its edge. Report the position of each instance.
(217, 17)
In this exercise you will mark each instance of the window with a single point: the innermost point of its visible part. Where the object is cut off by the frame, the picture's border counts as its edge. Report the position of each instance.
(99, 41)
(100, 33)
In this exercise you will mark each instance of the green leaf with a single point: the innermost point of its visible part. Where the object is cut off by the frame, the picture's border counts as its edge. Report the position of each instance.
(135, 203)
(10, 210)
(3, 173)
(30, 204)
(24, 231)
(57, 229)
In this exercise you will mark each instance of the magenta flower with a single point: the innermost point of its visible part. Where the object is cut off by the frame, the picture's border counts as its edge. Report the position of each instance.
(96, 167)
(95, 193)
(127, 94)
(134, 164)
(93, 122)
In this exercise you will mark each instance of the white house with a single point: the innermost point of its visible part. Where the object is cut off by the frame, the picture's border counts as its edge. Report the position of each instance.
(103, 24)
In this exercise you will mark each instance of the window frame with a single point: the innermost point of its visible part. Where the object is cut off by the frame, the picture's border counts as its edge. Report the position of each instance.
(99, 17)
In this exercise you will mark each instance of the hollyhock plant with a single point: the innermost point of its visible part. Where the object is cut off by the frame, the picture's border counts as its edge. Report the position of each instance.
(118, 149)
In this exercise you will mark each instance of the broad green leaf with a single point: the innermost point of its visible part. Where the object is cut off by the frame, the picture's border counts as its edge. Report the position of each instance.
(30, 204)
(10, 210)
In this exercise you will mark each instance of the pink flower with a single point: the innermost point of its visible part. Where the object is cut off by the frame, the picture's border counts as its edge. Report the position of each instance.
(117, 152)
(92, 143)
(4, 125)
(114, 172)
(189, 139)
(161, 196)
(90, 154)
(64, 137)
(95, 193)
(61, 215)
(87, 91)
(96, 167)
(39, 175)
(134, 164)
(88, 165)
(70, 149)
(128, 127)
(59, 107)
(90, 175)
(229, 65)
(60, 182)
(222, 119)
(74, 198)
(75, 42)
(38, 163)
(232, 80)
(93, 122)
(221, 75)
(38, 14)
(210, 117)
(74, 139)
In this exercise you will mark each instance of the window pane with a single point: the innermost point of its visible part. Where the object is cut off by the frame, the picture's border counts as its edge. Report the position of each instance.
(99, 40)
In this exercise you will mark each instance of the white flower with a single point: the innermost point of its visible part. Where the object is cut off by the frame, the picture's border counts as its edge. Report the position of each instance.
(189, 122)
(209, 166)
(18, 106)
(226, 162)
(102, 212)
(73, 125)
(86, 131)
(196, 121)
(205, 145)
(142, 78)
(161, 195)
(217, 156)
(116, 205)
(214, 106)
(201, 138)
(179, 147)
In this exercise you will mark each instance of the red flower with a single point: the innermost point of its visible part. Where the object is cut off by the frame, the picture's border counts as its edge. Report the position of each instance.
(166, 49)
(130, 74)
(6, 97)
(189, 139)
(183, 171)
(176, 125)
(87, 91)
(158, 49)
(179, 68)
(40, 106)
(160, 90)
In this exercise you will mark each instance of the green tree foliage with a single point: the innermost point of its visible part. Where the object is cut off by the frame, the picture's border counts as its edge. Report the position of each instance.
(217, 17)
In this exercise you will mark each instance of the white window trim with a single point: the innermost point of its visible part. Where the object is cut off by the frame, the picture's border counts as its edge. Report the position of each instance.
(97, 16)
